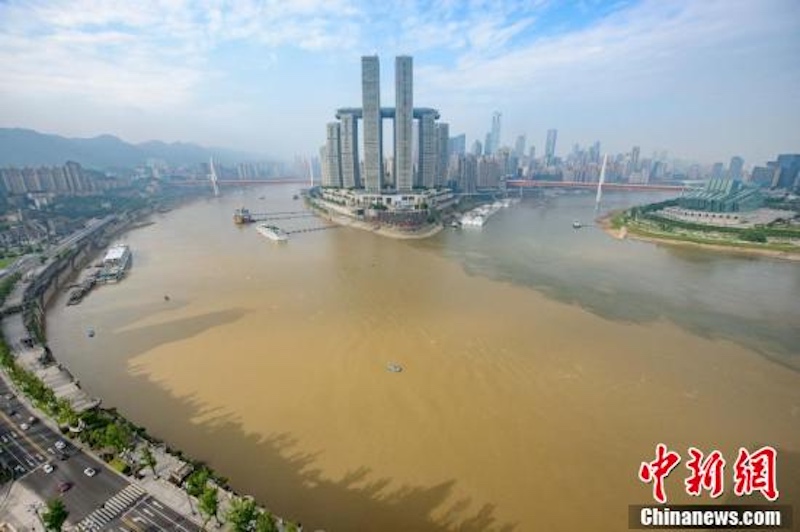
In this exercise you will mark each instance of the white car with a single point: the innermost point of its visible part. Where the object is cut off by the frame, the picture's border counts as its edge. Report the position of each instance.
(48, 468)
(24, 426)
(60, 445)
(89, 472)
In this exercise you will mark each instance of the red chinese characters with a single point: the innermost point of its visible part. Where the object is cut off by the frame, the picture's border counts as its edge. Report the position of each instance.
(756, 472)
(705, 473)
(752, 472)
(657, 470)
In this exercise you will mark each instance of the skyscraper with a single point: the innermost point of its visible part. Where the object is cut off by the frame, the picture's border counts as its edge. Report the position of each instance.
(458, 144)
(371, 105)
(735, 168)
(351, 171)
(404, 119)
(519, 148)
(477, 148)
(427, 150)
(333, 156)
(635, 153)
(550, 146)
(442, 153)
(495, 132)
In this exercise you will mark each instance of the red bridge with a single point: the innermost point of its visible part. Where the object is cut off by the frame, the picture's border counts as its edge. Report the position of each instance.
(526, 183)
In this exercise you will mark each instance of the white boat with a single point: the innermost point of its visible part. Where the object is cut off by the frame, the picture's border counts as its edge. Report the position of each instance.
(272, 232)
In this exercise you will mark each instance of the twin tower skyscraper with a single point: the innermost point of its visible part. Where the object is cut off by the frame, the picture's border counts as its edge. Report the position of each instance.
(342, 164)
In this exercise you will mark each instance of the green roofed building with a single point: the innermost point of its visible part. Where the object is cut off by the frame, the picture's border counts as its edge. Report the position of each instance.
(723, 195)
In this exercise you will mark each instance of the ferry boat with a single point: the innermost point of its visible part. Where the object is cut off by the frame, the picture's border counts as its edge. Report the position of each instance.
(576, 224)
(272, 232)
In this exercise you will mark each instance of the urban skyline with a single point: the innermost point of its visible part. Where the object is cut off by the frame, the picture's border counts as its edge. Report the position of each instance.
(687, 78)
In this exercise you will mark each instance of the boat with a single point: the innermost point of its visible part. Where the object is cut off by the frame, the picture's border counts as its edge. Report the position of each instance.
(90, 333)
(242, 216)
(295, 197)
(272, 232)
(394, 368)
(576, 224)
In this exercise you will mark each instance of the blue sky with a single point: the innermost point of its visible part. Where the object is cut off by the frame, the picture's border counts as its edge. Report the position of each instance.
(702, 79)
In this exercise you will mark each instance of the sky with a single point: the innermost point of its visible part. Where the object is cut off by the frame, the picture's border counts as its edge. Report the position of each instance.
(700, 79)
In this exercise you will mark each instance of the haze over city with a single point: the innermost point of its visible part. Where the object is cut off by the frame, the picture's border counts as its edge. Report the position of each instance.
(702, 80)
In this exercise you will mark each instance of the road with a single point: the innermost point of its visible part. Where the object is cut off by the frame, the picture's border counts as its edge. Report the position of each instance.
(105, 501)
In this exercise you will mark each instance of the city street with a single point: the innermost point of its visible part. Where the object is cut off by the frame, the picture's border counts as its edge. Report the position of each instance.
(103, 501)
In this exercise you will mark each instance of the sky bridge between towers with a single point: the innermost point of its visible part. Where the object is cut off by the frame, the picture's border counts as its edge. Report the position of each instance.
(386, 112)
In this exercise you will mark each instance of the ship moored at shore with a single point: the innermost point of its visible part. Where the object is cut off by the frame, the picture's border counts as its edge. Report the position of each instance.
(272, 232)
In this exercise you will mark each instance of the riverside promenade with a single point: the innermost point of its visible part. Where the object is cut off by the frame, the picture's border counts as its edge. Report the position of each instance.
(96, 495)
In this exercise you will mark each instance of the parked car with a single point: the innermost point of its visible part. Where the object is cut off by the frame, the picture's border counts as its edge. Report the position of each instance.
(48, 468)
(24, 426)
(60, 445)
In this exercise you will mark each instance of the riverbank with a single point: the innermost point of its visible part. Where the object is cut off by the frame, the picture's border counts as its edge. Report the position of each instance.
(607, 223)
(425, 231)
(133, 443)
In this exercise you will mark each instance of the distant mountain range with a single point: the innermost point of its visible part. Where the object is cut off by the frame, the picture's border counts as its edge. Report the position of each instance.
(26, 147)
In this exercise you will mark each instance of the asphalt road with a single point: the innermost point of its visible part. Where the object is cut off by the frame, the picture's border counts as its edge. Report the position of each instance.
(25, 451)
(106, 501)
(149, 515)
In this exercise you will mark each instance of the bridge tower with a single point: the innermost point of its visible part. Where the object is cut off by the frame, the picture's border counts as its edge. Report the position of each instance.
(213, 177)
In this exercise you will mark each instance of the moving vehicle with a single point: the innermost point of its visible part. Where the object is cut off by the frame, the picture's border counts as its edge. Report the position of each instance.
(89, 472)
(48, 468)
(64, 487)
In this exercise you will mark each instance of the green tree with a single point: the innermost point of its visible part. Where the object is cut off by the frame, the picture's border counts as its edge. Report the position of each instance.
(266, 523)
(196, 483)
(65, 414)
(209, 504)
(241, 514)
(149, 460)
(754, 235)
(55, 515)
(118, 436)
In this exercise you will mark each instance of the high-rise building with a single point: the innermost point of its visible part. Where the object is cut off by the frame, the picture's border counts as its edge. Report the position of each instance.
(351, 174)
(442, 153)
(427, 150)
(717, 170)
(403, 122)
(371, 105)
(735, 168)
(763, 176)
(550, 147)
(635, 152)
(333, 156)
(788, 171)
(519, 147)
(458, 145)
(487, 145)
(477, 148)
(496, 117)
